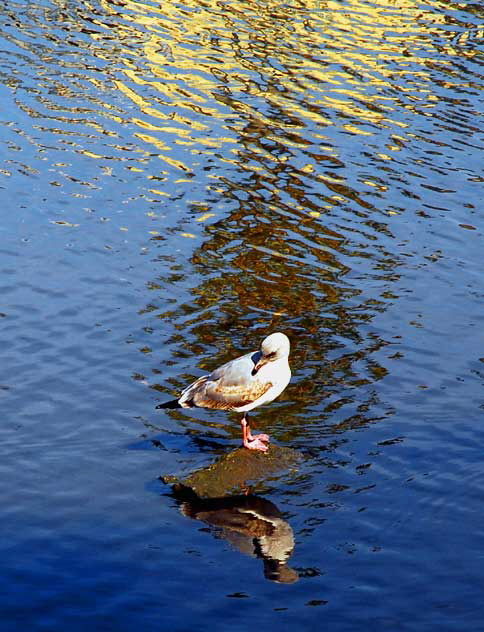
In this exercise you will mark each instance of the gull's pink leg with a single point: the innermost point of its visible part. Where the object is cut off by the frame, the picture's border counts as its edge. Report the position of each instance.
(252, 442)
(250, 436)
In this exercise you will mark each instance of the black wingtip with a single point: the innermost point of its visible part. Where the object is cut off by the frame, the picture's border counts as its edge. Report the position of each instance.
(173, 403)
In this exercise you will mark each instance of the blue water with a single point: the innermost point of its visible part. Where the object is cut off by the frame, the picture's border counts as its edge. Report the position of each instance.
(177, 181)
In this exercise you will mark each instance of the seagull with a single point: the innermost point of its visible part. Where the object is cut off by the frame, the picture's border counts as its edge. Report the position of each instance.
(242, 384)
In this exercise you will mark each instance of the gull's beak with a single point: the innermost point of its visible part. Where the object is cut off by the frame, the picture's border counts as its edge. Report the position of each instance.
(259, 365)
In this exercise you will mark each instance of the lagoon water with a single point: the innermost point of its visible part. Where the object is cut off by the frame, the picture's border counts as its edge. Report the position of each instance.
(179, 179)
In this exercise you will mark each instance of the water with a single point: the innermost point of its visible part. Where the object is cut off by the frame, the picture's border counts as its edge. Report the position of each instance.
(177, 181)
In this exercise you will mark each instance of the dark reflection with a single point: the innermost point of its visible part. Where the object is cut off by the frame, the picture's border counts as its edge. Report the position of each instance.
(218, 494)
(289, 255)
(267, 267)
(295, 241)
(251, 524)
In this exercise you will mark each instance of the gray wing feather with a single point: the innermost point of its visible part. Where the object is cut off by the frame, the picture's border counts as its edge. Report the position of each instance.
(238, 371)
(230, 386)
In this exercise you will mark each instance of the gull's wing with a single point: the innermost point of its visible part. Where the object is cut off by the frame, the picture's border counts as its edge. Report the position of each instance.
(230, 386)
(215, 395)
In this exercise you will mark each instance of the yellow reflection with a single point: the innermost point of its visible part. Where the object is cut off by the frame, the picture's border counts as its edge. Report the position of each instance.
(204, 71)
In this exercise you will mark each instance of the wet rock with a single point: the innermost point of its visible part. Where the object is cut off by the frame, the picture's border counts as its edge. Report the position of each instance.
(235, 471)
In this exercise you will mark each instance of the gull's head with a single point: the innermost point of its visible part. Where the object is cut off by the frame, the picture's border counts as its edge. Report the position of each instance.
(275, 346)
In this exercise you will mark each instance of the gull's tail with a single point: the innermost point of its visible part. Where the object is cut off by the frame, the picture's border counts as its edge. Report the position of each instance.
(173, 403)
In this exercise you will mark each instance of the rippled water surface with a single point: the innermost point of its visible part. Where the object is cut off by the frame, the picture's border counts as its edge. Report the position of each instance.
(179, 179)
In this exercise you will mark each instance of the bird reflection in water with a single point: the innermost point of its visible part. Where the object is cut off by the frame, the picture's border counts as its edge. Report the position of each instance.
(252, 525)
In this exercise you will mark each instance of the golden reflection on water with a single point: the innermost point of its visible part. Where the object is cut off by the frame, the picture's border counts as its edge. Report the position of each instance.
(309, 62)
(204, 79)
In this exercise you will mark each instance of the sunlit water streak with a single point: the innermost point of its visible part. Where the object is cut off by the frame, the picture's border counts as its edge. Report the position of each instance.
(177, 181)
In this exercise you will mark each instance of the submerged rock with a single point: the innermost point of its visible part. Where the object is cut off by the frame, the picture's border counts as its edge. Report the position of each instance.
(235, 471)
